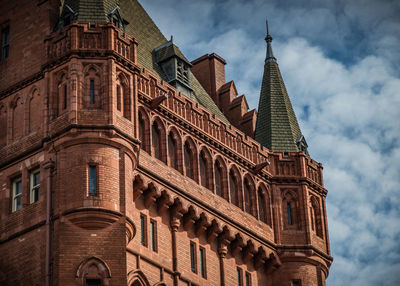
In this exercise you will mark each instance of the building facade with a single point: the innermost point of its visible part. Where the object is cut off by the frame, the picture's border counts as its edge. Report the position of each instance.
(123, 163)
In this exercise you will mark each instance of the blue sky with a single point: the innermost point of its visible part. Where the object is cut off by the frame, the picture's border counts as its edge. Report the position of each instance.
(340, 61)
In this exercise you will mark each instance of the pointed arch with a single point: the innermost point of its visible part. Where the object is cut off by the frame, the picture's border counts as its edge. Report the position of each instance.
(249, 195)
(190, 159)
(92, 94)
(205, 164)
(290, 209)
(123, 98)
(3, 125)
(137, 278)
(264, 204)
(93, 269)
(315, 213)
(220, 177)
(144, 129)
(35, 110)
(234, 186)
(174, 149)
(158, 140)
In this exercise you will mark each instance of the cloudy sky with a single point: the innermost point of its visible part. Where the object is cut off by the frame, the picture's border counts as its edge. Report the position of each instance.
(340, 61)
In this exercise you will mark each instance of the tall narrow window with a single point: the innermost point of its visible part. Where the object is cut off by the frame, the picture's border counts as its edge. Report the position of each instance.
(143, 230)
(233, 188)
(35, 186)
(156, 136)
(203, 267)
(65, 96)
(119, 100)
(261, 206)
(172, 148)
(203, 170)
(92, 180)
(188, 157)
(193, 258)
(289, 212)
(91, 91)
(5, 43)
(248, 279)
(247, 201)
(218, 178)
(17, 194)
(239, 274)
(153, 235)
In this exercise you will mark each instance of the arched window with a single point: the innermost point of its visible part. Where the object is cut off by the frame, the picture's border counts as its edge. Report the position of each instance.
(18, 119)
(315, 212)
(123, 95)
(144, 131)
(189, 161)
(93, 271)
(172, 152)
(63, 98)
(156, 140)
(248, 202)
(205, 169)
(218, 178)
(92, 97)
(119, 97)
(264, 208)
(234, 188)
(3, 126)
(289, 210)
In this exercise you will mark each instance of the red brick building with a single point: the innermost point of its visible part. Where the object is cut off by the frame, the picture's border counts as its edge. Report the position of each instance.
(123, 163)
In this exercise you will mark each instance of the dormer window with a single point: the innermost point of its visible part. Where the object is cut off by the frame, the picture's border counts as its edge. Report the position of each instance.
(302, 144)
(67, 17)
(115, 17)
(183, 72)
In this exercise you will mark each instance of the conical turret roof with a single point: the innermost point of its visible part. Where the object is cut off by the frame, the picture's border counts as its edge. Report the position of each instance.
(277, 127)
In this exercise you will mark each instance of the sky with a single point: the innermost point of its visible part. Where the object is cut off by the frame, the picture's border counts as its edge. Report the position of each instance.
(340, 61)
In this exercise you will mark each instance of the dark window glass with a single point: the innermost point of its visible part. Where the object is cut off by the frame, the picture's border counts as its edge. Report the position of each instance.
(239, 277)
(64, 96)
(193, 257)
(91, 91)
(119, 95)
(248, 279)
(289, 212)
(143, 230)
(5, 42)
(203, 263)
(203, 169)
(92, 180)
(218, 179)
(296, 283)
(93, 282)
(247, 204)
(17, 194)
(156, 141)
(35, 187)
(153, 235)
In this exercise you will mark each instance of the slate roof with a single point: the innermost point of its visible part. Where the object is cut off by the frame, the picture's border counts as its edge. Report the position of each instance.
(146, 32)
(277, 127)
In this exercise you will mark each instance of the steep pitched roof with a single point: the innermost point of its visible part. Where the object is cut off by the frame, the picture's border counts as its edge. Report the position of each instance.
(145, 31)
(277, 127)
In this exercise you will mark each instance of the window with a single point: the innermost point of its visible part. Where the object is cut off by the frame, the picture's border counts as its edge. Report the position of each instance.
(289, 212)
(143, 230)
(296, 283)
(64, 96)
(188, 158)
(239, 274)
(17, 194)
(156, 137)
(203, 267)
(93, 282)
(233, 188)
(247, 199)
(172, 156)
(91, 91)
(5, 43)
(35, 186)
(119, 100)
(248, 279)
(193, 258)
(153, 235)
(218, 178)
(92, 180)
(203, 170)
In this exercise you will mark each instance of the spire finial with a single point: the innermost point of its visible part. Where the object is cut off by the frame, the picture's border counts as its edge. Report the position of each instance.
(270, 55)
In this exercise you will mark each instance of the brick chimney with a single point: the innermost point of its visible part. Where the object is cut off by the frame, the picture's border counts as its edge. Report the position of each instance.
(210, 72)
